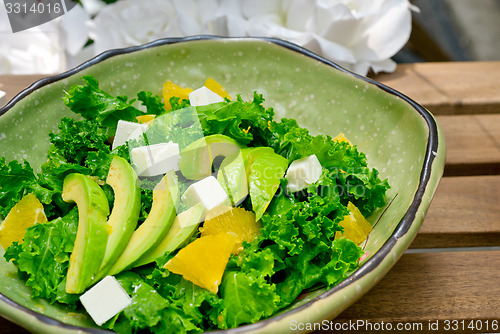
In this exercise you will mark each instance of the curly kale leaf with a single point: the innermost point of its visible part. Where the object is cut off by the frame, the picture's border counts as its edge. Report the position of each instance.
(92, 103)
(17, 180)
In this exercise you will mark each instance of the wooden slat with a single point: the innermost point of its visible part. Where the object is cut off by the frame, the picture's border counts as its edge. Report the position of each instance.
(450, 88)
(473, 144)
(465, 212)
(433, 286)
(7, 327)
(13, 84)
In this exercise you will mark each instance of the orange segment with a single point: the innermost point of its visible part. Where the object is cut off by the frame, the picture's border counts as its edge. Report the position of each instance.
(356, 227)
(204, 260)
(27, 212)
(143, 119)
(217, 88)
(236, 221)
(341, 138)
(170, 89)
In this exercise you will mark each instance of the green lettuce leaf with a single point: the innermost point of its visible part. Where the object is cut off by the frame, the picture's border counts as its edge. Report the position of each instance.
(92, 103)
(246, 122)
(150, 310)
(354, 180)
(78, 147)
(363, 187)
(75, 139)
(247, 298)
(290, 140)
(152, 102)
(17, 180)
(165, 303)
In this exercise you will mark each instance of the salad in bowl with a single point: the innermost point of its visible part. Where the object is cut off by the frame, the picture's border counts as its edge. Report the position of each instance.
(186, 212)
(206, 184)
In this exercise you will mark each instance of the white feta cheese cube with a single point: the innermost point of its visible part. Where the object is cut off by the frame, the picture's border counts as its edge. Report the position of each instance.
(303, 172)
(203, 96)
(155, 159)
(126, 131)
(3, 98)
(207, 191)
(105, 300)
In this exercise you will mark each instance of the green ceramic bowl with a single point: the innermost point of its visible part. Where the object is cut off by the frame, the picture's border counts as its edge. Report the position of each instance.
(400, 138)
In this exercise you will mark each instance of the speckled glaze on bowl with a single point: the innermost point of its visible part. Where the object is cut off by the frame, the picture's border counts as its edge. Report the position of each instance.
(400, 138)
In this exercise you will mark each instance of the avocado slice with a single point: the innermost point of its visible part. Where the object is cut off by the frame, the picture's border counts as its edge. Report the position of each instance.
(166, 197)
(197, 158)
(264, 169)
(185, 225)
(232, 176)
(92, 236)
(125, 214)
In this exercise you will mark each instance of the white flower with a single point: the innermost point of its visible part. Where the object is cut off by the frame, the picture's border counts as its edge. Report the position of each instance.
(133, 22)
(45, 49)
(93, 6)
(36, 50)
(358, 34)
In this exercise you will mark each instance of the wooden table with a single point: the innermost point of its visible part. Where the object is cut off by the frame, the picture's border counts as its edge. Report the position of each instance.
(449, 279)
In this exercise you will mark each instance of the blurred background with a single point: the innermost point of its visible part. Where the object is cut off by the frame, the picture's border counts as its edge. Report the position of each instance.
(453, 30)
(376, 39)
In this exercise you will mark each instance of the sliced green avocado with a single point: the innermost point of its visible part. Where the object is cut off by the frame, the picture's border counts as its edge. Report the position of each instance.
(125, 214)
(185, 225)
(197, 158)
(166, 197)
(232, 176)
(264, 170)
(92, 236)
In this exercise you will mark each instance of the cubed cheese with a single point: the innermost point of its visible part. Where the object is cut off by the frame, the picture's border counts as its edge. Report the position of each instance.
(105, 300)
(303, 172)
(203, 96)
(3, 99)
(207, 191)
(126, 131)
(155, 159)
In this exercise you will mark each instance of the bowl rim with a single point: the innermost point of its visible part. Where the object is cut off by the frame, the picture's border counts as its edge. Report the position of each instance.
(369, 265)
